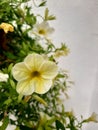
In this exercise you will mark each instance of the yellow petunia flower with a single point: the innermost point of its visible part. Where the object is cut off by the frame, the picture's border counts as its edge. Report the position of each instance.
(6, 27)
(43, 29)
(34, 74)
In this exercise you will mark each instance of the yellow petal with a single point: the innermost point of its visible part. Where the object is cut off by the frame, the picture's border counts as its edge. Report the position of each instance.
(25, 87)
(20, 71)
(49, 70)
(34, 61)
(7, 27)
(42, 85)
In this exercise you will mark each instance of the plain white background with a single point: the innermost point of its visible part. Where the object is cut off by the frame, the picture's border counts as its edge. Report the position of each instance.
(77, 25)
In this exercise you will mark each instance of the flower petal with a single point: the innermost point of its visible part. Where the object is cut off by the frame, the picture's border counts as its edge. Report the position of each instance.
(48, 70)
(34, 61)
(42, 85)
(7, 27)
(20, 71)
(25, 87)
(43, 29)
(50, 30)
(3, 77)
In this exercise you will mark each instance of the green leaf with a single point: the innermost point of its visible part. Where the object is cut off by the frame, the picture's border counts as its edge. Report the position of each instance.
(8, 101)
(46, 13)
(17, 128)
(10, 67)
(12, 83)
(43, 3)
(5, 123)
(40, 99)
(47, 16)
(59, 125)
(51, 17)
(10, 55)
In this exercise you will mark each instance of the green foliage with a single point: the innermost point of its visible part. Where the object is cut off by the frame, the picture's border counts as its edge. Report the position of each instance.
(47, 16)
(5, 123)
(59, 125)
(42, 4)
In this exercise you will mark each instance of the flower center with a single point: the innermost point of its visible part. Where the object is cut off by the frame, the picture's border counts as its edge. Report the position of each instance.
(41, 32)
(35, 74)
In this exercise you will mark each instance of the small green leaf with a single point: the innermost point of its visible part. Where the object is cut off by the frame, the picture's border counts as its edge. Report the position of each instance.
(39, 99)
(43, 3)
(8, 101)
(46, 13)
(47, 16)
(20, 96)
(12, 83)
(10, 67)
(51, 17)
(59, 125)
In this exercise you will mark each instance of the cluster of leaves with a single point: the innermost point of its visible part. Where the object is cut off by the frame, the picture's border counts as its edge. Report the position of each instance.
(14, 47)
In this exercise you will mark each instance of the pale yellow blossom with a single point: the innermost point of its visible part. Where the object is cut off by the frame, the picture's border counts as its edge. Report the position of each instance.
(6, 27)
(34, 74)
(43, 29)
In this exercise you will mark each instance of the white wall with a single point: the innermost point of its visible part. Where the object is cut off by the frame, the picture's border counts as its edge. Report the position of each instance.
(76, 24)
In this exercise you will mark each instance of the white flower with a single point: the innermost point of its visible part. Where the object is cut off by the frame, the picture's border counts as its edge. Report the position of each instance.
(43, 29)
(7, 27)
(34, 74)
(3, 77)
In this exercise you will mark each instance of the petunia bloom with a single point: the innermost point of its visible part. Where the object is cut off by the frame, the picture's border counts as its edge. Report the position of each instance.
(34, 74)
(43, 29)
(6, 27)
(3, 77)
